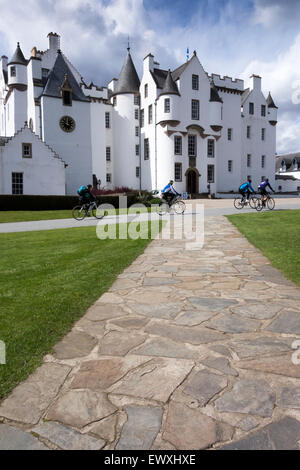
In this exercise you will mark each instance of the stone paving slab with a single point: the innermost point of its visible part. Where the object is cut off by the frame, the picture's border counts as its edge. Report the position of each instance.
(15, 439)
(189, 349)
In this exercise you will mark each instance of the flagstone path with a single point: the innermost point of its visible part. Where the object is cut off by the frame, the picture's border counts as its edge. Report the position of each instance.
(189, 349)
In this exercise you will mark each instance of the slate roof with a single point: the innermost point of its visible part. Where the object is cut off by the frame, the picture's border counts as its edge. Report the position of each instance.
(169, 87)
(245, 95)
(288, 158)
(128, 81)
(214, 95)
(159, 76)
(57, 77)
(270, 102)
(18, 57)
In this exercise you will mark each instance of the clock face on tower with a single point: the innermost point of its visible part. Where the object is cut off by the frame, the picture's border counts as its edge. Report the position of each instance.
(67, 124)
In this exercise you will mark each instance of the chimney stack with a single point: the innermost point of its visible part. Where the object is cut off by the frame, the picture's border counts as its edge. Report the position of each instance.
(149, 62)
(54, 41)
(4, 60)
(256, 82)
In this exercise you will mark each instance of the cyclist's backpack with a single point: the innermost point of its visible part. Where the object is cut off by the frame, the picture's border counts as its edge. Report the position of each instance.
(81, 190)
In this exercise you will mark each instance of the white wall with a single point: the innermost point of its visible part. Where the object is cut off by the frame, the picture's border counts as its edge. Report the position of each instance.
(75, 147)
(43, 174)
(255, 146)
(125, 158)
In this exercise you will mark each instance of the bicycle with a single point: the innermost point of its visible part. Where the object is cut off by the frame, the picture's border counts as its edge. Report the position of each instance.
(268, 202)
(176, 204)
(240, 202)
(80, 212)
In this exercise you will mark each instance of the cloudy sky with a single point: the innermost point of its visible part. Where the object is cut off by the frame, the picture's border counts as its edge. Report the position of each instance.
(231, 37)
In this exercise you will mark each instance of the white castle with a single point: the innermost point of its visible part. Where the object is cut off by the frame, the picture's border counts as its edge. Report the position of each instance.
(57, 132)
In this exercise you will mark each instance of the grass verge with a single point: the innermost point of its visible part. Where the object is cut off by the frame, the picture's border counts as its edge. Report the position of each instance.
(277, 236)
(29, 216)
(48, 280)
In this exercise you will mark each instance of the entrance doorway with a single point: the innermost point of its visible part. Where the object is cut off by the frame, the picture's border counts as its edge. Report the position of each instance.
(192, 181)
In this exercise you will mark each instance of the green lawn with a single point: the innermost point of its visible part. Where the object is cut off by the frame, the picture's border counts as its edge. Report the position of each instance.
(26, 216)
(48, 280)
(277, 235)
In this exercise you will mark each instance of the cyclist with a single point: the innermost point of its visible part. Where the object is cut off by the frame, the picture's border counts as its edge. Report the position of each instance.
(85, 194)
(169, 192)
(245, 189)
(262, 189)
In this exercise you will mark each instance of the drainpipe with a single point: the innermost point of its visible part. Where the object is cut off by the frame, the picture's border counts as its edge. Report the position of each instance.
(155, 138)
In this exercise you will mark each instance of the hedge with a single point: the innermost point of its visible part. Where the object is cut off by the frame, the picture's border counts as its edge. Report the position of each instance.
(43, 203)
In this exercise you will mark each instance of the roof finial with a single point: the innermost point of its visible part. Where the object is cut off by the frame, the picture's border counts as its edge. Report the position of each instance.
(128, 45)
(187, 54)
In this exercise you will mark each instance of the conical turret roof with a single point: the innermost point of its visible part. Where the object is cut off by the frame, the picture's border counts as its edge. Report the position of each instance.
(270, 102)
(128, 81)
(18, 57)
(170, 87)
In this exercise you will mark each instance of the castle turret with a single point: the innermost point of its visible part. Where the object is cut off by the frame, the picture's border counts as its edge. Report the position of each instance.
(272, 110)
(128, 82)
(126, 115)
(168, 102)
(215, 108)
(17, 70)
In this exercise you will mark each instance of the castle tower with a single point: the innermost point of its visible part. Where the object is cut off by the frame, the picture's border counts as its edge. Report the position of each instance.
(125, 99)
(17, 70)
(16, 107)
(272, 110)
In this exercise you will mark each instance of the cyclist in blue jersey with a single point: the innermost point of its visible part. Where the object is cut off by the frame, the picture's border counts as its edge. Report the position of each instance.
(85, 194)
(262, 189)
(169, 192)
(245, 189)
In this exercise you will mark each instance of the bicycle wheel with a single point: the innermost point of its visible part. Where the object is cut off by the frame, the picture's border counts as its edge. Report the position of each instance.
(270, 203)
(78, 212)
(259, 205)
(98, 213)
(162, 208)
(252, 202)
(238, 203)
(179, 207)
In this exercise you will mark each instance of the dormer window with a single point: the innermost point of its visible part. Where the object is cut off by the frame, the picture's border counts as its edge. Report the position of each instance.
(67, 98)
(283, 166)
(66, 92)
(295, 164)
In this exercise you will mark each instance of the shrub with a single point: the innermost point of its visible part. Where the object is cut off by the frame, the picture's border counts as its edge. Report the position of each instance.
(43, 203)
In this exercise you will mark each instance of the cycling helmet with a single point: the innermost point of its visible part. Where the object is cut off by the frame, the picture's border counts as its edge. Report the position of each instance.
(171, 182)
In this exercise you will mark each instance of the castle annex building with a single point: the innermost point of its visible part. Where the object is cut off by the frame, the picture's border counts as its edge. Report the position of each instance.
(57, 132)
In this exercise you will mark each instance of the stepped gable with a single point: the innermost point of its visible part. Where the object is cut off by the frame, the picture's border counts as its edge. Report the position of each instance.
(6, 140)
(169, 87)
(18, 57)
(128, 81)
(57, 77)
(270, 102)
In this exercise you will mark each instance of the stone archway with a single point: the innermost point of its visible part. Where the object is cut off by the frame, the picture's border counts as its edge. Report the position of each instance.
(192, 180)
